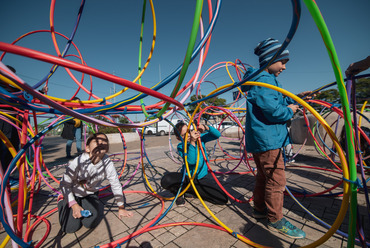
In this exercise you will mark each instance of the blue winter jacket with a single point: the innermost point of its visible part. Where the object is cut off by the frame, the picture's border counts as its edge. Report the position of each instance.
(267, 114)
(205, 137)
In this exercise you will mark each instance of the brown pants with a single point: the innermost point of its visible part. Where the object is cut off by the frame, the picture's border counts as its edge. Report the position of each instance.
(270, 183)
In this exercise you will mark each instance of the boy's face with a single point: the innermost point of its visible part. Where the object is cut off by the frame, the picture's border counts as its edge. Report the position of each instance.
(277, 67)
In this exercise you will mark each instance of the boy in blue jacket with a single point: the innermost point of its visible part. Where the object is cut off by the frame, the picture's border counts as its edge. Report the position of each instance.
(266, 133)
(206, 188)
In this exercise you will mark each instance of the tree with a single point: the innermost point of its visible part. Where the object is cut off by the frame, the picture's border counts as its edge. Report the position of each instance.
(363, 90)
(330, 96)
(107, 130)
(215, 101)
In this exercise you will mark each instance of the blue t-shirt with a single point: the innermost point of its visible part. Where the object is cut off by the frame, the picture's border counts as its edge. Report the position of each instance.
(192, 151)
(267, 114)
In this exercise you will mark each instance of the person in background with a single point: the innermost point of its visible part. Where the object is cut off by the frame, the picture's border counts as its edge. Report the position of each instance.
(72, 129)
(9, 130)
(289, 147)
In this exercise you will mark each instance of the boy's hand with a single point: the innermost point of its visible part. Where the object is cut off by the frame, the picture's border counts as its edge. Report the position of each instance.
(203, 128)
(76, 211)
(194, 135)
(293, 107)
(304, 93)
(307, 94)
(124, 213)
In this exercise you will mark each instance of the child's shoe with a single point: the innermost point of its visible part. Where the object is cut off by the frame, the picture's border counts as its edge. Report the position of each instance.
(180, 201)
(288, 229)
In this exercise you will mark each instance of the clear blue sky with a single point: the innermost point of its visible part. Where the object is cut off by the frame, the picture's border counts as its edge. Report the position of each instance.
(108, 38)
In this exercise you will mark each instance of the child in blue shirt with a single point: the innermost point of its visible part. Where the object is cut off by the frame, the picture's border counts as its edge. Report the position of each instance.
(205, 187)
(266, 133)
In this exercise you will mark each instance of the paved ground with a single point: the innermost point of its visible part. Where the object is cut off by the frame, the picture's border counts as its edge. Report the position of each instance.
(235, 216)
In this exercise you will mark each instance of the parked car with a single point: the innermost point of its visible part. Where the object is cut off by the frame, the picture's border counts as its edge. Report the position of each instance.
(163, 128)
(150, 130)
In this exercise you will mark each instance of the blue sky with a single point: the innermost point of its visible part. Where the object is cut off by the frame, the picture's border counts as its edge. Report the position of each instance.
(109, 31)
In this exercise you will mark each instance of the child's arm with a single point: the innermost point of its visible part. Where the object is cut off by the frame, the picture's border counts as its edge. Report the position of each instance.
(211, 134)
(76, 211)
(192, 148)
(270, 104)
(122, 212)
(116, 189)
(68, 182)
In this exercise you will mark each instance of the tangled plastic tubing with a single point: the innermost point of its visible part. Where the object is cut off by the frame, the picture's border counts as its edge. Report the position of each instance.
(336, 110)
(78, 67)
(58, 124)
(114, 243)
(208, 32)
(21, 195)
(77, 114)
(213, 174)
(320, 23)
(70, 41)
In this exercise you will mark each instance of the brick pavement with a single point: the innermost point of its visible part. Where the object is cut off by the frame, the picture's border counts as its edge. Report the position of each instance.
(236, 216)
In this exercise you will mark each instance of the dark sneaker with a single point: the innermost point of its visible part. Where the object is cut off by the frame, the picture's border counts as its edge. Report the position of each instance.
(180, 201)
(258, 214)
(288, 229)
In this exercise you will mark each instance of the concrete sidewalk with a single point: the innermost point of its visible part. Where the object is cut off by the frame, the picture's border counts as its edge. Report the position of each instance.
(236, 216)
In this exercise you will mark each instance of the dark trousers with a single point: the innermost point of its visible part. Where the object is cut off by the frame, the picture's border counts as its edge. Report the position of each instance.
(270, 183)
(5, 155)
(207, 189)
(12, 134)
(69, 224)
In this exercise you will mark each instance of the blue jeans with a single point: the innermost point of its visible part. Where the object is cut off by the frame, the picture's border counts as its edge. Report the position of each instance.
(78, 135)
(78, 132)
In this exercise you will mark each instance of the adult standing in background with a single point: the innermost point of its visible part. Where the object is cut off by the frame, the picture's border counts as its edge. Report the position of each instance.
(8, 129)
(72, 129)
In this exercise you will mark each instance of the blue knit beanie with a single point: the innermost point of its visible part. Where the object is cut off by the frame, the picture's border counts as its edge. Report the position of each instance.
(266, 49)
